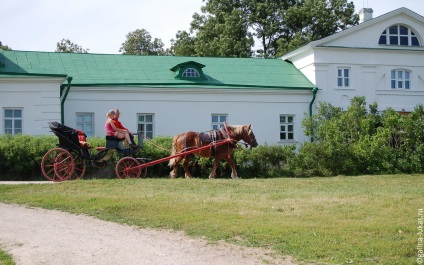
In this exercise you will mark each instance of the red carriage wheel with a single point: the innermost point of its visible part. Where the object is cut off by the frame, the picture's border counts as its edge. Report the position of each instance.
(80, 166)
(57, 165)
(128, 167)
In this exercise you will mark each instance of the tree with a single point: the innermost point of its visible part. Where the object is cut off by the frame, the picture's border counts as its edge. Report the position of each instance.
(311, 20)
(222, 30)
(183, 45)
(227, 27)
(65, 45)
(139, 42)
(4, 47)
(267, 21)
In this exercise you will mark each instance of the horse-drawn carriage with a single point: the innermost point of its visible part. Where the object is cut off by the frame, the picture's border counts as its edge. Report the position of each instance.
(71, 156)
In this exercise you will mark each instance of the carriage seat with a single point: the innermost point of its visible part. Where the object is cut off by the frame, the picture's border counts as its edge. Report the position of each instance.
(69, 138)
(113, 142)
(82, 139)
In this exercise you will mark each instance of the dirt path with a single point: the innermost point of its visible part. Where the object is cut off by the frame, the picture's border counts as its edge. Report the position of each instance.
(38, 236)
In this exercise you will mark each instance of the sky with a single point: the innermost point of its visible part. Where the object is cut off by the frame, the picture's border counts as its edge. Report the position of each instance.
(101, 26)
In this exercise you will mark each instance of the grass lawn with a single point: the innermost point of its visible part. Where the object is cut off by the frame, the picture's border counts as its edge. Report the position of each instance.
(5, 259)
(337, 220)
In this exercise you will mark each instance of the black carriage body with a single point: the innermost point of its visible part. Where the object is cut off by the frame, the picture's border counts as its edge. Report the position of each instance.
(68, 139)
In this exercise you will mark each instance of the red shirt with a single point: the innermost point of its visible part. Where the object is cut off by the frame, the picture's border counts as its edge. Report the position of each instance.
(118, 124)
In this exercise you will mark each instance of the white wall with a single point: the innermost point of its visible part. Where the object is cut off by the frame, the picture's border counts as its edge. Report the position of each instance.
(369, 36)
(180, 110)
(38, 97)
(370, 77)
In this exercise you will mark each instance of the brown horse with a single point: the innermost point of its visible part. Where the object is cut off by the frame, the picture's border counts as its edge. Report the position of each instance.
(191, 140)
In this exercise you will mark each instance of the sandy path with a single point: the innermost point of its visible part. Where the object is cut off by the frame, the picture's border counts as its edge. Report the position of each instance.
(38, 236)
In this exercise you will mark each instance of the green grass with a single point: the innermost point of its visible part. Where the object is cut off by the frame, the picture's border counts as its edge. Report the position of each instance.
(358, 220)
(5, 259)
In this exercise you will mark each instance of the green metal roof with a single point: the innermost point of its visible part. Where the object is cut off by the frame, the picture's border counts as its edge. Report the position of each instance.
(88, 69)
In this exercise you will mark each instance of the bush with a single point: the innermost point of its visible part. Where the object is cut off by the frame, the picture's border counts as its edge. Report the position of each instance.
(154, 149)
(360, 141)
(20, 155)
(264, 161)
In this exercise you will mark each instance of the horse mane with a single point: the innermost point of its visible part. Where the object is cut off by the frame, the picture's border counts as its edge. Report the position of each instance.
(236, 130)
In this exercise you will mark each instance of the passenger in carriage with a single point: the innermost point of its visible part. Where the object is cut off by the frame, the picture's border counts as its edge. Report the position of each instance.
(119, 125)
(112, 130)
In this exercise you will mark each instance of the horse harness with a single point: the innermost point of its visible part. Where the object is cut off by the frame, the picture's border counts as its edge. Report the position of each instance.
(214, 136)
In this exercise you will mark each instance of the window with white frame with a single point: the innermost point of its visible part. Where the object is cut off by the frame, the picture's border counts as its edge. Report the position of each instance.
(286, 127)
(343, 77)
(190, 72)
(145, 124)
(398, 35)
(85, 123)
(400, 79)
(218, 121)
(12, 121)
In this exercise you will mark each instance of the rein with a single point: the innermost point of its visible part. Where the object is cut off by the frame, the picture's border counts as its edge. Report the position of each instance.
(158, 146)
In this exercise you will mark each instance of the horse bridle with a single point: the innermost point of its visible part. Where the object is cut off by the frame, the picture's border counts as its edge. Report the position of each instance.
(251, 140)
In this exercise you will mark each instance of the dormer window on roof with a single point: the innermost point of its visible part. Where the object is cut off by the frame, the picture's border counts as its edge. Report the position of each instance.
(189, 71)
(399, 35)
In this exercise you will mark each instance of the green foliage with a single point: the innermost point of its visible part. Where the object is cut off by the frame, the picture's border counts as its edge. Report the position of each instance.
(6, 259)
(226, 28)
(154, 149)
(20, 155)
(311, 20)
(264, 161)
(65, 45)
(4, 47)
(140, 42)
(183, 45)
(221, 31)
(361, 141)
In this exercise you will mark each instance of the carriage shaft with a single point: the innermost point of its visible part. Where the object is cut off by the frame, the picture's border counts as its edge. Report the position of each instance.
(228, 140)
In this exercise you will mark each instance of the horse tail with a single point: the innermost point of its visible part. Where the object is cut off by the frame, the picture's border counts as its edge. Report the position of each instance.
(173, 151)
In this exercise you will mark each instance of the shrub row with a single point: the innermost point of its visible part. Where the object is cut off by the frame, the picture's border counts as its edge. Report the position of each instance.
(361, 140)
(21, 155)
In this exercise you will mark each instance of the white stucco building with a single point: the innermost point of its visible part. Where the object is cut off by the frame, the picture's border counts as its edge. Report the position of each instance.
(381, 58)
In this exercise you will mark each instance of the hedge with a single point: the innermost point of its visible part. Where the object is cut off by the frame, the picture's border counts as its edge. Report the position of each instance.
(21, 155)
